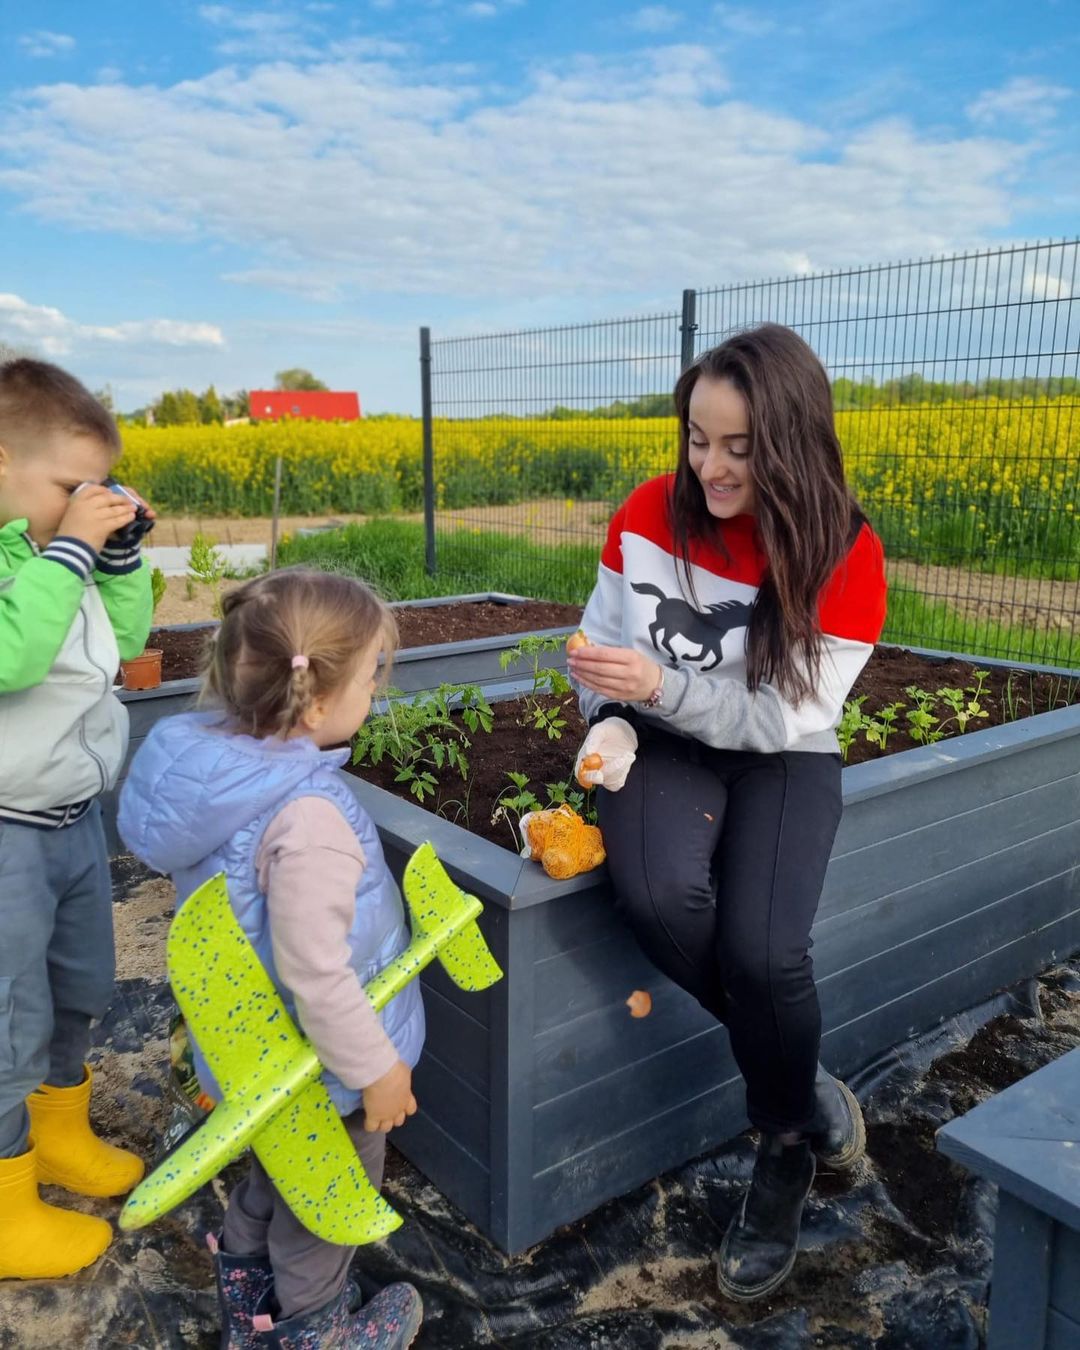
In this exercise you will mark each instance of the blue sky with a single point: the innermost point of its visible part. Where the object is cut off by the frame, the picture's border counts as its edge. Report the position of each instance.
(196, 193)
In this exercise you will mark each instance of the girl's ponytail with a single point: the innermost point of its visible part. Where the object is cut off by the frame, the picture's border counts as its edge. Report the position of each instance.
(286, 639)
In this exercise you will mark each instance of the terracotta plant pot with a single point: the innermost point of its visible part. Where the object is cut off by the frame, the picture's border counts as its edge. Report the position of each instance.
(143, 671)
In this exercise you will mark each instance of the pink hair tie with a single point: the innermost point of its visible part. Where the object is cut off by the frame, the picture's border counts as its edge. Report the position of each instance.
(300, 662)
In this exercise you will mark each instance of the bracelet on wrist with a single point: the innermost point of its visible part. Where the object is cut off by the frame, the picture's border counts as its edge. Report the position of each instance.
(653, 701)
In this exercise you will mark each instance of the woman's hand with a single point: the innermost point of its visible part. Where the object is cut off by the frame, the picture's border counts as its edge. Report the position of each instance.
(623, 675)
(389, 1099)
(614, 743)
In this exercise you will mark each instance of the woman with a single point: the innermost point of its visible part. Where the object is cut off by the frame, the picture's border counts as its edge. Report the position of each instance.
(736, 602)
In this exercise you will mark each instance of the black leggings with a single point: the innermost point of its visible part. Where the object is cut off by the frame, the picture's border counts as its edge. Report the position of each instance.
(717, 858)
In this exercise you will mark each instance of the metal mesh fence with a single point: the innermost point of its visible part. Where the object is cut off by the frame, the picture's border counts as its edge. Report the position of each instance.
(956, 383)
(523, 467)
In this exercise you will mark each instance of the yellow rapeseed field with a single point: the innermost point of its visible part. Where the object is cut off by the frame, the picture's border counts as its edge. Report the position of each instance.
(982, 480)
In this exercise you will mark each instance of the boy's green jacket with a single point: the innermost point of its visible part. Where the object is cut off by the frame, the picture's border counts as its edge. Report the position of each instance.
(67, 618)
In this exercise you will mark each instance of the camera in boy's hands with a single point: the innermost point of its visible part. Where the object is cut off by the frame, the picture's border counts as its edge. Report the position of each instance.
(143, 523)
(106, 515)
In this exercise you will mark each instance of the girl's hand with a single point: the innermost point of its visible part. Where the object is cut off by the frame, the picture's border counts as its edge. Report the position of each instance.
(618, 673)
(389, 1099)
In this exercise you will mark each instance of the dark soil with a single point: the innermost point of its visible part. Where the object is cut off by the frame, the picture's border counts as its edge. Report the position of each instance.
(418, 626)
(1007, 695)
(473, 802)
(183, 653)
(426, 625)
(514, 745)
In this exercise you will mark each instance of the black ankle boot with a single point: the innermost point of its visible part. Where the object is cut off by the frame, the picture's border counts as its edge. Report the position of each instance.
(838, 1135)
(762, 1240)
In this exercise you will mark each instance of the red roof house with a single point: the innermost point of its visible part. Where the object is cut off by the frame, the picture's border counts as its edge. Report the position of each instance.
(271, 405)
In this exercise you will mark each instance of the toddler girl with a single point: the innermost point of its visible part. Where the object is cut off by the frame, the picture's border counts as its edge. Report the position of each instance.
(249, 786)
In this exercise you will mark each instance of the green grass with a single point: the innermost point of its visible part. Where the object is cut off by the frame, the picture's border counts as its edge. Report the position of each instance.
(390, 555)
(915, 621)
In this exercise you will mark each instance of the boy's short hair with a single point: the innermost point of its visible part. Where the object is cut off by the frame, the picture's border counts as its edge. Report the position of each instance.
(36, 397)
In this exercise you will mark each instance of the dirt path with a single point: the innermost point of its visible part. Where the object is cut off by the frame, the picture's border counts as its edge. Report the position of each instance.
(179, 531)
(1022, 602)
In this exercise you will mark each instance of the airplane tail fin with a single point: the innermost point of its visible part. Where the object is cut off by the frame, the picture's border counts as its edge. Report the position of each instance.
(444, 925)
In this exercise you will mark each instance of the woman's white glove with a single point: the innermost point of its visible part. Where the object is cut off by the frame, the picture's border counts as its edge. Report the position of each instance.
(615, 741)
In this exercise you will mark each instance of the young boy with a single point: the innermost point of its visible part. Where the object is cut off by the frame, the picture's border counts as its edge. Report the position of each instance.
(73, 602)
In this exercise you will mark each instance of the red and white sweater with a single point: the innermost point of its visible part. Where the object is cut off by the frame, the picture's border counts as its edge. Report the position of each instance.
(639, 602)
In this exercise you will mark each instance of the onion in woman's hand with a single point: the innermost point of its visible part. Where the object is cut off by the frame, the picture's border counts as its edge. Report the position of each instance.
(589, 765)
(577, 640)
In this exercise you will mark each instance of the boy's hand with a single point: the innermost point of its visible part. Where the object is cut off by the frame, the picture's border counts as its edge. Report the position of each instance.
(389, 1099)
(94, 513)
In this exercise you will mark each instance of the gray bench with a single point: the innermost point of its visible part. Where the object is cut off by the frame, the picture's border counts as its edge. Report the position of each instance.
(1027, 1140)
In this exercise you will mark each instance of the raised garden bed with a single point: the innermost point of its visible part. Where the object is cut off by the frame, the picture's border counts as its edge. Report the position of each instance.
(1024, 1140)
(955, 872)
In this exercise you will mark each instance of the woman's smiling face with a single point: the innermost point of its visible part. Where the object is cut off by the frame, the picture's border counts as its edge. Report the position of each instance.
(719, 447)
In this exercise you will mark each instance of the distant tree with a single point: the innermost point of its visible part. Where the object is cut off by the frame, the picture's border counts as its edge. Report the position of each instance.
(188, 405)
(210, 407)
(166, 412)
(177, 408)
(235, 405)
(298, 378)
(104, 396)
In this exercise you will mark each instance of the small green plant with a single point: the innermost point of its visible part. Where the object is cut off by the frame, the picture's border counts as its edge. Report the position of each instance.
(578, 799)
(546, 683)
(851, 723)
(882, 724)
(158, 587)
(923, 727)
(516, 801)
(965, 703)
(421, 738)
(208, 566)
(513, 803)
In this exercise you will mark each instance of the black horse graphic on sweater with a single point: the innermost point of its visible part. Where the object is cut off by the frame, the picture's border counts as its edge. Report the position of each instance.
(675, 618)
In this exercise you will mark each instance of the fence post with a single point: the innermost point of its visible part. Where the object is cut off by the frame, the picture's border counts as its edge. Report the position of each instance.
(429, 455)
(688, 327)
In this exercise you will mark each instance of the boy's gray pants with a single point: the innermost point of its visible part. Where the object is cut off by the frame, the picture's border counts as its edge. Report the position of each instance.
(308, 1272)
(57, 961)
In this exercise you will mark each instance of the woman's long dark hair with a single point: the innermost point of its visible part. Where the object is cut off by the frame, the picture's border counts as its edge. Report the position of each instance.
(805, 513)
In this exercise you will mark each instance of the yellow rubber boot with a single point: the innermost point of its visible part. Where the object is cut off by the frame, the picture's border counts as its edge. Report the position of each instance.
(39, 1241)
(69, 1153)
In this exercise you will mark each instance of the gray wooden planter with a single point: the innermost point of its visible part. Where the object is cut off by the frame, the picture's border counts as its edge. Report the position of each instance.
(956, 871)
(1025, 1140)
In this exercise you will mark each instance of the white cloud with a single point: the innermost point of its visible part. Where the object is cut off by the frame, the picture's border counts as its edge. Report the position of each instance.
(744, 22)
(354, 175)
(1023, 101)
(486, 9)
(44, 43)
(655, 19)
(52, 332)
(257, 34)
(1045, 286)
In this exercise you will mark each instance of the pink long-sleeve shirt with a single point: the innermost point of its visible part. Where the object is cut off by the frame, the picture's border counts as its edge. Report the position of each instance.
(309, 865)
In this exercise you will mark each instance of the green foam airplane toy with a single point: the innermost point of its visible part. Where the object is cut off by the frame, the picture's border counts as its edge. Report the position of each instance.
(269, 1073)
